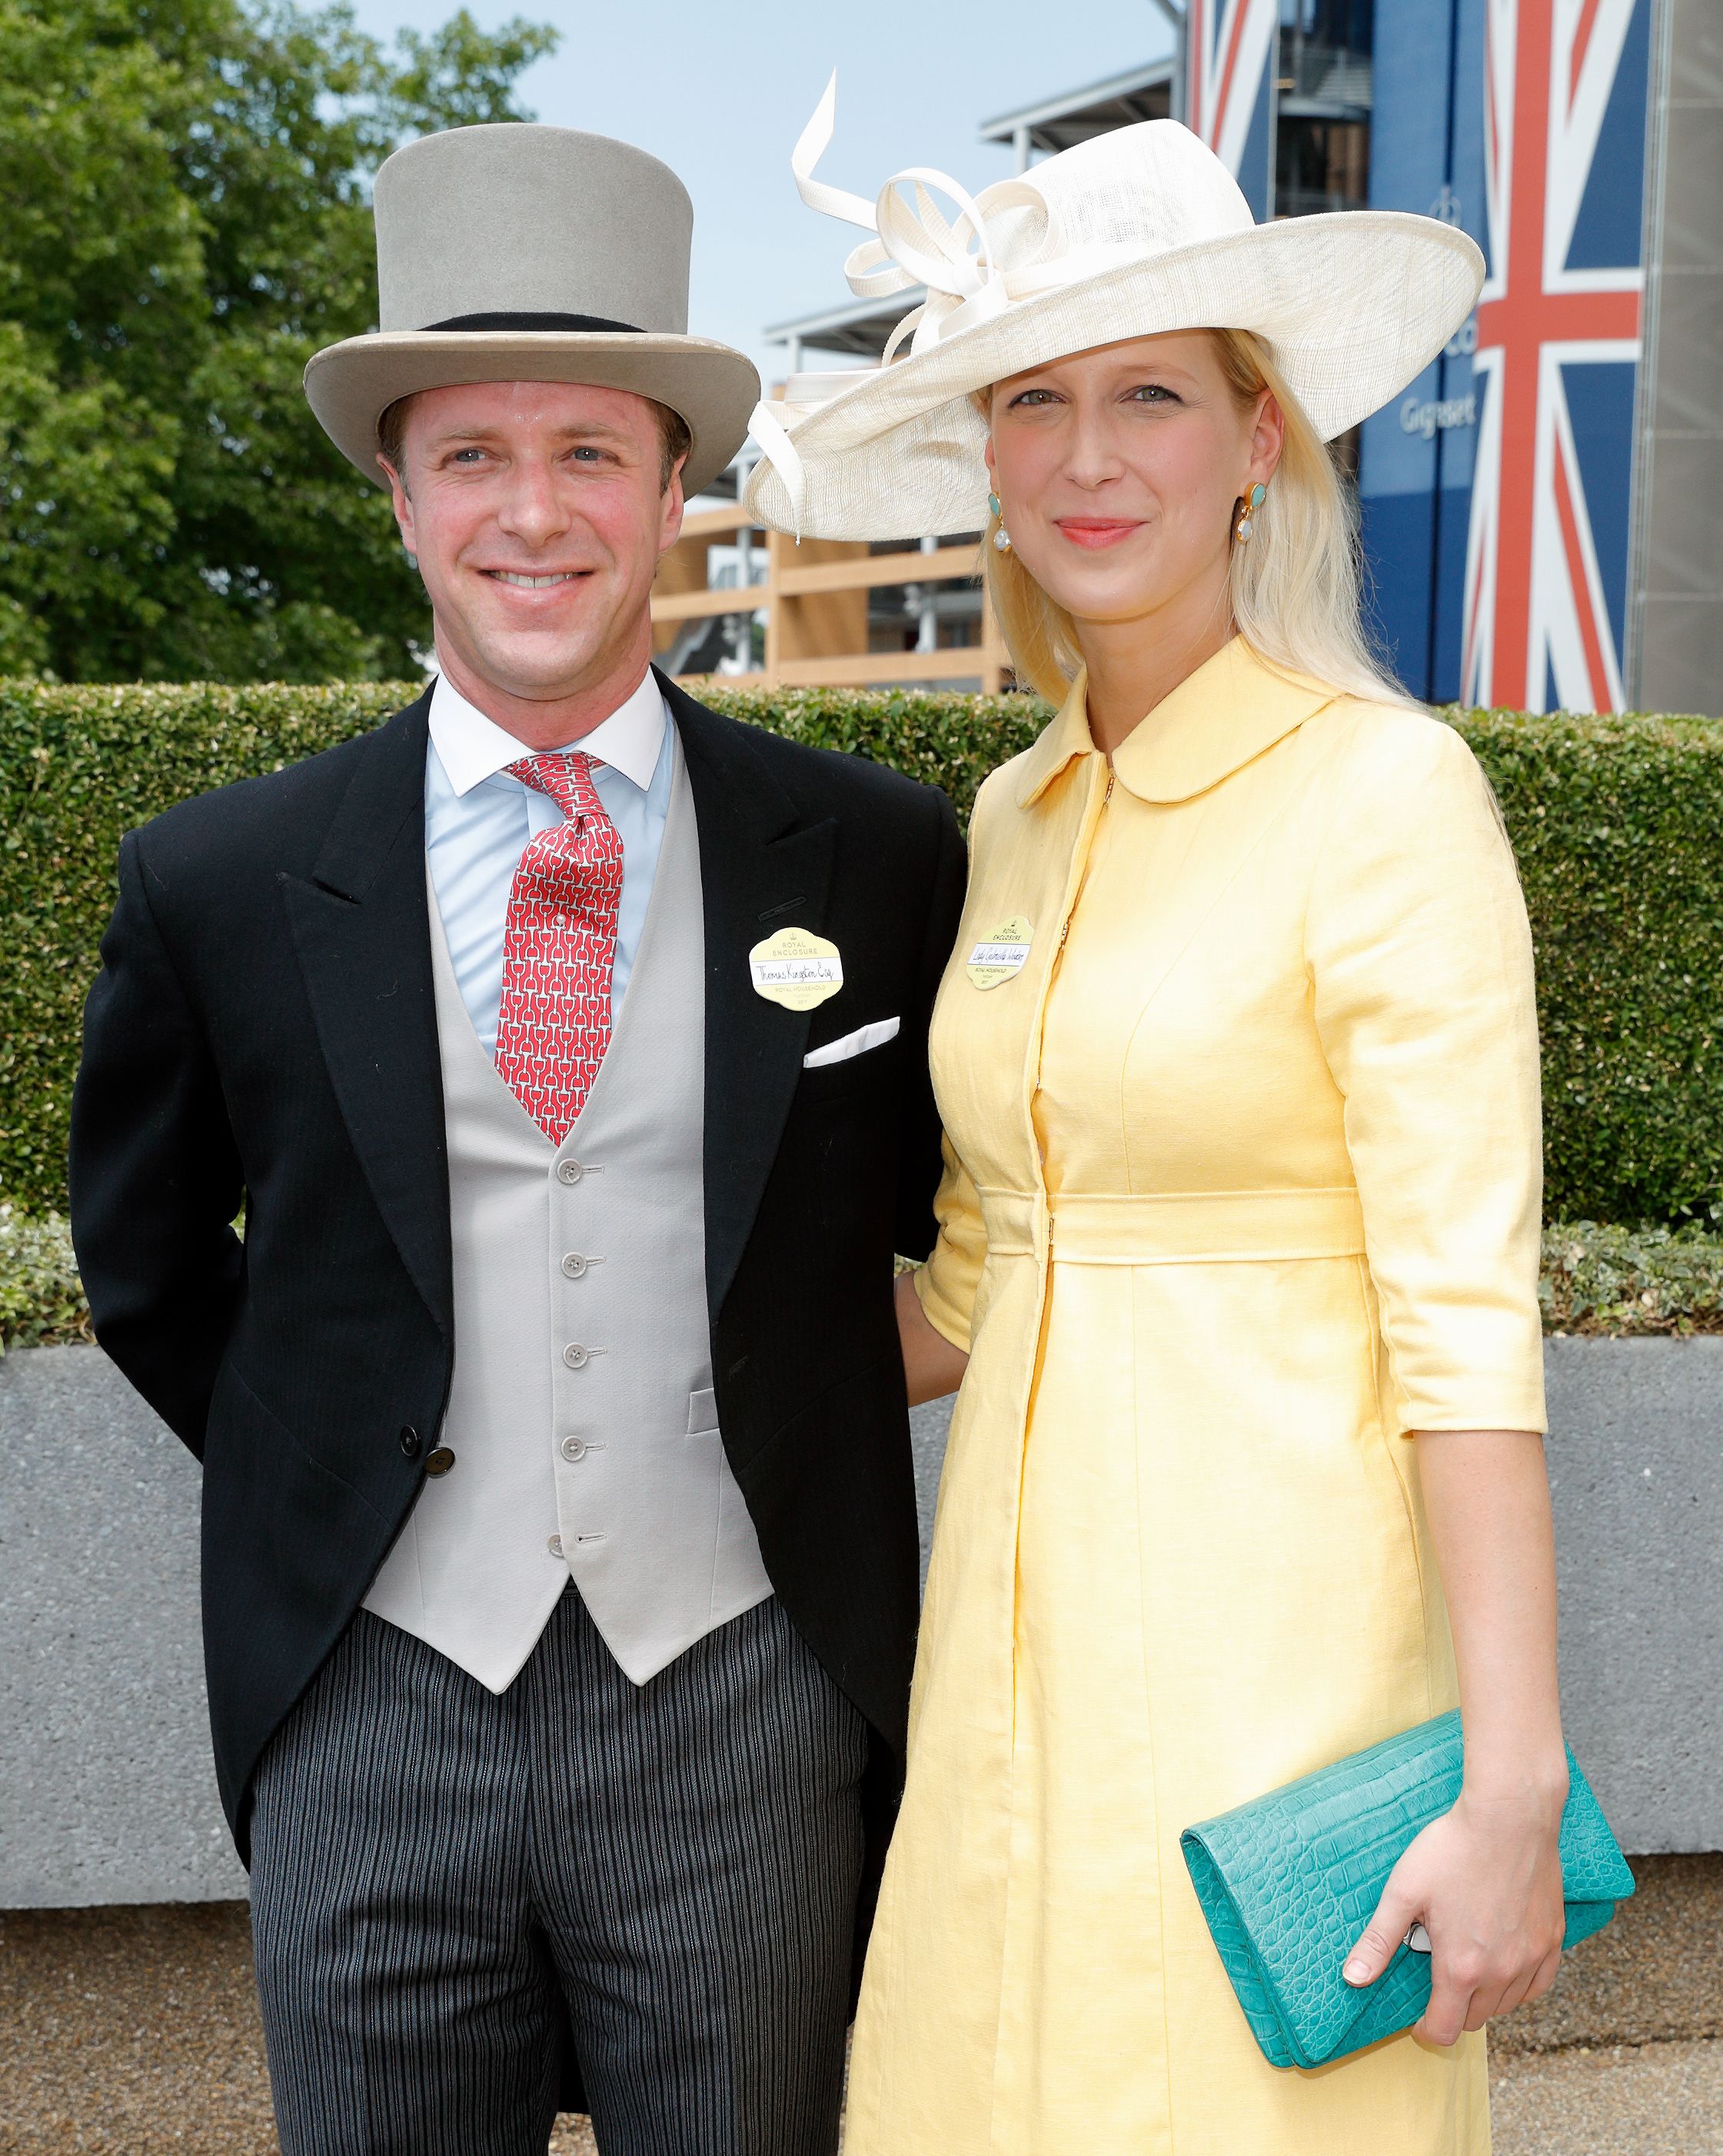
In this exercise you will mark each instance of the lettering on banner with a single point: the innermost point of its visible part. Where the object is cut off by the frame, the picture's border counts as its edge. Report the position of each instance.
(1431, 416)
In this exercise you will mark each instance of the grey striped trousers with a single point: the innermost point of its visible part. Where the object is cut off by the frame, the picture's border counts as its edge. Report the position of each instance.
(439, 1875)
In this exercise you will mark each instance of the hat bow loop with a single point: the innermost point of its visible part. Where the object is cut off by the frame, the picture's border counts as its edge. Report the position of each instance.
(962, 263)
(973, 268)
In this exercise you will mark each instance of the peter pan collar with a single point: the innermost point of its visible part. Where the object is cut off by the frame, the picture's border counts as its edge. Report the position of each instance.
(1065, 737)
(1218, 719)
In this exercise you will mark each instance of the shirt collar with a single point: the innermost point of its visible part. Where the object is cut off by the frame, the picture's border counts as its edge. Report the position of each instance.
(1065, 737)
(473, 748)
(1218, 720)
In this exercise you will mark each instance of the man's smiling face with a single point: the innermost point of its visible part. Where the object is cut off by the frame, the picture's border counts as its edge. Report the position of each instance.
(538, 513)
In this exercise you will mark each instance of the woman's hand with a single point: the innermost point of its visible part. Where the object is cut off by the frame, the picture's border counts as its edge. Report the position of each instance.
(1486, 1882)
(932, 1366)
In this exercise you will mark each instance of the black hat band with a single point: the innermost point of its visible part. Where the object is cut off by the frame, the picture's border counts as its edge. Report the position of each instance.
(518, 322)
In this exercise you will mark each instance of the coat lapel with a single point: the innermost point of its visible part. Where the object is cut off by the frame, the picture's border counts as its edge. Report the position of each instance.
(361, 929)
(761, 868)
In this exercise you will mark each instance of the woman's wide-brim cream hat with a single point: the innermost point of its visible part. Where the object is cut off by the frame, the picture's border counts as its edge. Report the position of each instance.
(1131, 234)
(518, 253)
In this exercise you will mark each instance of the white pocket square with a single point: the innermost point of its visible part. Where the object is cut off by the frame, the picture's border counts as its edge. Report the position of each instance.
(852, 1044)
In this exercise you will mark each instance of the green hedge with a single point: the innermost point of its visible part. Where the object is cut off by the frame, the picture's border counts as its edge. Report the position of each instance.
(1595, 1281)
(1615, 821)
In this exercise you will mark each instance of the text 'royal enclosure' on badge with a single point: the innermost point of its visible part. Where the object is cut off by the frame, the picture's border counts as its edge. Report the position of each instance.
(999, 956)
(796, 968)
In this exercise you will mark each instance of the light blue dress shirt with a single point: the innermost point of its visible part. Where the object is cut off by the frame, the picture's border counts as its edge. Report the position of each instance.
(479, 820)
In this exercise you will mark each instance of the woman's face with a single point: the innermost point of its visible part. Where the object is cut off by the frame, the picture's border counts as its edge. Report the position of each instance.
(1120, 470)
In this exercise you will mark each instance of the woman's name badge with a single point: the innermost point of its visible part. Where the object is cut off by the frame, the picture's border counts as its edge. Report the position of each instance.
(796, 968)
(999, 956)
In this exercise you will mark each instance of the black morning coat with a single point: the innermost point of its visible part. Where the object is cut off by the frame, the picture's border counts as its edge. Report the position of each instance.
(263, 1032)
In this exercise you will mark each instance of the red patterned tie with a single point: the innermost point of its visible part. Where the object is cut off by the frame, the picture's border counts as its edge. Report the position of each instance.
(559, 946)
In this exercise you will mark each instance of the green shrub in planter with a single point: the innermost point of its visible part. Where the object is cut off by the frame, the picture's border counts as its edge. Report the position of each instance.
(1614, 820)
(41, 1297)
(1606, 1282)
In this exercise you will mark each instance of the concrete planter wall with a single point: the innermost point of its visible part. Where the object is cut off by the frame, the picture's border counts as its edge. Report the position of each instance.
(1636, 1466)
(106, 1792)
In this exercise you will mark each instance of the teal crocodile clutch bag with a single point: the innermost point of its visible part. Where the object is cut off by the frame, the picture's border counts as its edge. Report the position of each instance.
(1288, 1881)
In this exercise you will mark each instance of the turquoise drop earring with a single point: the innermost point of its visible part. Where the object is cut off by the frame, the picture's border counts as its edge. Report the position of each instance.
(1002, 537)
(1252, 502)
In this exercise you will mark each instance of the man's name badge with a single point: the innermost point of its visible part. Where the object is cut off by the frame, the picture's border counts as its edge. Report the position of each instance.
(796, 968)
(996, 957)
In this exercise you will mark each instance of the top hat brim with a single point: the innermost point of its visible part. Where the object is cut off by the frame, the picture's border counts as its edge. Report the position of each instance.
(1353, 304)
(714, 388)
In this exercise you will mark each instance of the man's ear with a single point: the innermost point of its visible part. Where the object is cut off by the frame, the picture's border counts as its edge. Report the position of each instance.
(671, 508)
(401, 502)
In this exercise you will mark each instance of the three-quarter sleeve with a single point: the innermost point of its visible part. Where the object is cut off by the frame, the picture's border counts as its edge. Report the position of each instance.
(947, 1283)
(1420, 961)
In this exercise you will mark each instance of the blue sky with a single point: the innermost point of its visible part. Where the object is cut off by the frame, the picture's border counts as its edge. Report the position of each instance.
(721, 92)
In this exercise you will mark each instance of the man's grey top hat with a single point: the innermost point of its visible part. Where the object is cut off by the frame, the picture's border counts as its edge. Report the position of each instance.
(525, 253)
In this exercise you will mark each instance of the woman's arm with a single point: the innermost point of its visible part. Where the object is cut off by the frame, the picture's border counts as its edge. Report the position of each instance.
(1485, 1880)
(932, 1366)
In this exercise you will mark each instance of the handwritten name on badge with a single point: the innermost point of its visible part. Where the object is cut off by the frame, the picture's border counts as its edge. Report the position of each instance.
(796, 968)
(996, 957)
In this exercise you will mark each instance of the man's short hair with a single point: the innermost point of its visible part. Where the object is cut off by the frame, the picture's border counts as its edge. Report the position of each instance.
(675, 439)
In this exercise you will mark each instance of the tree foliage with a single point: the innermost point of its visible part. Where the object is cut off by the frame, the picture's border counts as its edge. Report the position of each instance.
(184, 219)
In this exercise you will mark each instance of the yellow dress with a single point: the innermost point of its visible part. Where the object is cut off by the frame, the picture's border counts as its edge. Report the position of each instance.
(1243, 1186)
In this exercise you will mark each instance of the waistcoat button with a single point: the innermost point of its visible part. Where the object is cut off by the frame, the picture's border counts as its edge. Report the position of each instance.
(569, 1171)
(555, 1546)
(574, 1264)
(574, 1448)
(440, 1461)
(409, 1441)
(576, 1357)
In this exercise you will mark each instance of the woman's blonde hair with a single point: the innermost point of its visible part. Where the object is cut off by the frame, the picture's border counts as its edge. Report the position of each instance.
(1295, 583)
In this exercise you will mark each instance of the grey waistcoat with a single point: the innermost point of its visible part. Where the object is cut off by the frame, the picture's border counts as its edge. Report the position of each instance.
(581, 1418)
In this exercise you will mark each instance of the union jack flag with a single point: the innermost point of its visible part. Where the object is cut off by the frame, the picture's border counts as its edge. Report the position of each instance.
(1557, 353)
(1229, 44)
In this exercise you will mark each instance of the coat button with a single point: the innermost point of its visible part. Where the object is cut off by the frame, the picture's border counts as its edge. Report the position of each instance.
(409, 1440)
(569, 1171)
(440, 1461)
(574, 1264)
(577, 1357)
(574, 1448)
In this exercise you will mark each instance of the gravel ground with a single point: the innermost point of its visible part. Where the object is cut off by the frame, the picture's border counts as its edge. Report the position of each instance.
(134, 2032)
(1653, 2100)
(130, 2029)
(1654, 1976)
